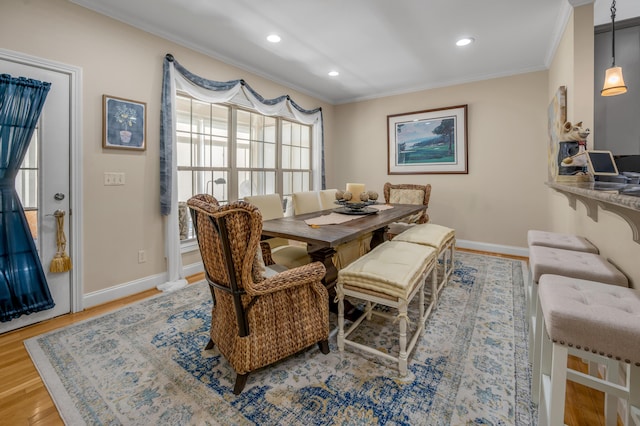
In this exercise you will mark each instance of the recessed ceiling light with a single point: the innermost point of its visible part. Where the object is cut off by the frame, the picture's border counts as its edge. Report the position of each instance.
(334, 73)
(464, 41)
(274, 38)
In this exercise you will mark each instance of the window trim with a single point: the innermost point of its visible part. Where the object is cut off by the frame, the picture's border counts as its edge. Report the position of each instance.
(232, 170)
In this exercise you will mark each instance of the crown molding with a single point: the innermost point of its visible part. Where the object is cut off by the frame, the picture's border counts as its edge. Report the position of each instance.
(578, 3)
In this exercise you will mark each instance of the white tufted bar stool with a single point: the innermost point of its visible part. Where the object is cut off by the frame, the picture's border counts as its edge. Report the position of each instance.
(556, 240)
(391, 274)
(441, 238)
(561, 241)
(567, 263)
(595, 321)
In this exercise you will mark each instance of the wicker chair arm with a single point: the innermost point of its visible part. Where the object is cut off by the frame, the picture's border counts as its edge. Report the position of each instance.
(302, 275)
(266, 253)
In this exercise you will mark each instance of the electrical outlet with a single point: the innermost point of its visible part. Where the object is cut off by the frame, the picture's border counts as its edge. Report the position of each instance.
(142, 256)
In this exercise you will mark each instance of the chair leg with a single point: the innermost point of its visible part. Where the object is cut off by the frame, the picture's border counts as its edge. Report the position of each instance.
(210, 345)
(633, 377)
(612, 374)
(423, 317)
(404, 356)
(536, 352)
(241, 381)
(341, 323)
(557, 393)
(434, 287)
(324, 346)
(531, 317)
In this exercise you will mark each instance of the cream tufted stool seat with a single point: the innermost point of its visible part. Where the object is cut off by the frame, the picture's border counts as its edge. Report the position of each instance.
(595, 321)
(441, 238)
(391, 275)
(567, 263)
(561, 241)
(554, 240)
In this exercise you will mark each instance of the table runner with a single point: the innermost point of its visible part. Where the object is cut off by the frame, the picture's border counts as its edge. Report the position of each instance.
(338, 218)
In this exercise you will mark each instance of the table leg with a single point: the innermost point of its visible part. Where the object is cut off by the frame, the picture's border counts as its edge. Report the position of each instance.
(378, 237)
(324, 255)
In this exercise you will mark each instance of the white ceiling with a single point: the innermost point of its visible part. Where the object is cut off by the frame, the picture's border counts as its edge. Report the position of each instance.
(379, 47)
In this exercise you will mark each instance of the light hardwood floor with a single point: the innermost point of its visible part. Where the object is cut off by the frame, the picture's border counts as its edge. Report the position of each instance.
(24, 400)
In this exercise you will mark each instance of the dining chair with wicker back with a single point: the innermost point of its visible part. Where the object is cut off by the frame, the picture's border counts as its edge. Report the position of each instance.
(407, 193)
(260, 314)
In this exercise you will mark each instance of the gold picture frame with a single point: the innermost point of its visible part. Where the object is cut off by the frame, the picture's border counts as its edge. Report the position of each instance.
(428, 142)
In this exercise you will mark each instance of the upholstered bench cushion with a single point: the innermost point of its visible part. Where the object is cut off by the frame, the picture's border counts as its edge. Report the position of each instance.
(428, 234)
(561, 241)
(589, 315)
(573, 264)
(392, 268)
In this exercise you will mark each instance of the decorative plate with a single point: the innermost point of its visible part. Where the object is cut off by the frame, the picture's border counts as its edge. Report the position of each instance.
(356, 206)
(360, 211)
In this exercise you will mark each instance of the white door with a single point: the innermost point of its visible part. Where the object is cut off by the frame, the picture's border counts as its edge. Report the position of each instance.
(44, 182)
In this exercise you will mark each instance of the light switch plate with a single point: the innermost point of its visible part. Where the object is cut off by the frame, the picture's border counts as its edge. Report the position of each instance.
(114, 178)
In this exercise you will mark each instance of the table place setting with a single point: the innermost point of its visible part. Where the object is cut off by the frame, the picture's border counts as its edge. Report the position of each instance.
(354, 202)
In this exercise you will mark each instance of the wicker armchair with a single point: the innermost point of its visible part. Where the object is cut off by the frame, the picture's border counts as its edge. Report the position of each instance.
(258, 317)
(407, 193)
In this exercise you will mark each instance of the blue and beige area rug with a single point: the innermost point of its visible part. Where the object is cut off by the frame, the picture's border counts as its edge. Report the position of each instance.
(146, 364)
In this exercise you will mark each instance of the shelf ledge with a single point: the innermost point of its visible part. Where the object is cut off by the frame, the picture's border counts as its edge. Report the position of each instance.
(625, 206)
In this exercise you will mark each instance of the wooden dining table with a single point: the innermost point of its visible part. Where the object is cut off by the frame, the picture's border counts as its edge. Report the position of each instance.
(322, 240)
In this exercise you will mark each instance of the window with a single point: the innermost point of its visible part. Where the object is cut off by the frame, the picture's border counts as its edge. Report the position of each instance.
(27, 184)
(231, 152)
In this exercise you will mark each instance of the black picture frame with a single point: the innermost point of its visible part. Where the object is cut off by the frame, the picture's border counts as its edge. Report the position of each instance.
(123, 123)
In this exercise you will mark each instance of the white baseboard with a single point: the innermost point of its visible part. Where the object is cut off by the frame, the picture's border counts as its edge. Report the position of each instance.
(127, 289)
(143, 284)
(194, 268)
(493, 248)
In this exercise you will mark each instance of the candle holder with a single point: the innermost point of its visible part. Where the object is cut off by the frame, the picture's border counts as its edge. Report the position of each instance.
(345, 199)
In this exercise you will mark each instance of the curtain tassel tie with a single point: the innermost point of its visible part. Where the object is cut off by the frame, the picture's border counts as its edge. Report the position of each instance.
(61, 262)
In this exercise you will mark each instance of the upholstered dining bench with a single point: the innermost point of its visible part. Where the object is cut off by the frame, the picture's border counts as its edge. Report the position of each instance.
(391, 274)
(441, 238)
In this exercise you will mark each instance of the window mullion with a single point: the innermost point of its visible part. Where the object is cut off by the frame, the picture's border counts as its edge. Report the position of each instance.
(233, 146)
(279, 175)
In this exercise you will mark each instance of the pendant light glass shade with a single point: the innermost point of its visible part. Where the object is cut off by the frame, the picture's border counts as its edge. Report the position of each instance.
(613, 82)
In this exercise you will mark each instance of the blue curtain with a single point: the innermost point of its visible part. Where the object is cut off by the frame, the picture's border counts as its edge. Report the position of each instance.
(23, 286)
(166, 121)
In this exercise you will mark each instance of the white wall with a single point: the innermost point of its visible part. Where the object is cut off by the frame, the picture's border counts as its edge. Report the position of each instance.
(573, 67)
(503, 195)
(120, 61)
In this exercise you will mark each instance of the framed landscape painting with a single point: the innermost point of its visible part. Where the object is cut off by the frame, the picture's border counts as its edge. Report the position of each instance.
(123, 123)
(431, 141)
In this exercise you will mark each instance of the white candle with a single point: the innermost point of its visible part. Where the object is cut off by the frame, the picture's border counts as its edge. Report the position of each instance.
(355, 189)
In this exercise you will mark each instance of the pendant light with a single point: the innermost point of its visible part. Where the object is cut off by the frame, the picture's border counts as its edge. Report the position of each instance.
(613, 81)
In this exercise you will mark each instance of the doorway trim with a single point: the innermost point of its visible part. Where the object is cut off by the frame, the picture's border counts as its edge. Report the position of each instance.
(75, 152)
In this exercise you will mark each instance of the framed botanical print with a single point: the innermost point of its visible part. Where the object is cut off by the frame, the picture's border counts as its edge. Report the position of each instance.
(124, 123)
